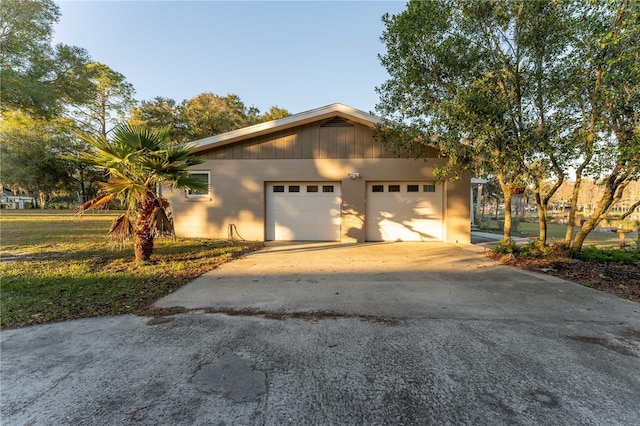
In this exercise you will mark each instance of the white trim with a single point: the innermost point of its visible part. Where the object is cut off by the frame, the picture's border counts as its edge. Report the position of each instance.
(200, 196)
(328, 111)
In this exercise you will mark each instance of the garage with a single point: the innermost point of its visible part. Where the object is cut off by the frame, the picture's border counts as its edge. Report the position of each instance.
(303, 211)
(404, 211)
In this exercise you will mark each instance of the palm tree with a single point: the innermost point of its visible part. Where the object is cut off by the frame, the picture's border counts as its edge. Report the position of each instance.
(137, 161)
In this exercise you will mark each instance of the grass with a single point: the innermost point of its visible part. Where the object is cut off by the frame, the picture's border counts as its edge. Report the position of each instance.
(556, 232)
(56, 266)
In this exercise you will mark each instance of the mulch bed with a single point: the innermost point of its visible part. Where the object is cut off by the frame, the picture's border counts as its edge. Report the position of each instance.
(619, 278)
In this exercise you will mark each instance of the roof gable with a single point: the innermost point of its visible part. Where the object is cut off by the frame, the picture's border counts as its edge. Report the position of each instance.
(326, 112)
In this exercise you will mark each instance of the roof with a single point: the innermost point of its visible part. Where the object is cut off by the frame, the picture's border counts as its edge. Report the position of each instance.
(333, 110)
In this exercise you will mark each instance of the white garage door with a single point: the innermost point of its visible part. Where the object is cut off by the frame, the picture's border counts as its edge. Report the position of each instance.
(404, 211)
(303, 211)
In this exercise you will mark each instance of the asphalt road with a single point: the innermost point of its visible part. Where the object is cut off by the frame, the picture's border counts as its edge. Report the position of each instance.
(480, 343)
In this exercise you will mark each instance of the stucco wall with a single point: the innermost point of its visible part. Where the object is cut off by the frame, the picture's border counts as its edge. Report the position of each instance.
(238, 196)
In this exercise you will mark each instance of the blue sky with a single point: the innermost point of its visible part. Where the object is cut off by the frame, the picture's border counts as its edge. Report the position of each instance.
(298, 55)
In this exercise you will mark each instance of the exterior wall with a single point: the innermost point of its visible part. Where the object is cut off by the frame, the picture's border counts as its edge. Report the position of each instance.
(308, 141)
(457, 210)
(309, 153)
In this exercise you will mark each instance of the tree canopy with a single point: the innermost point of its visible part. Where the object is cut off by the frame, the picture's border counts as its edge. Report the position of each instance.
(54, 96)
(30, 155)
(36, 76)
(495, 85)
(204, 115)
(107, 102)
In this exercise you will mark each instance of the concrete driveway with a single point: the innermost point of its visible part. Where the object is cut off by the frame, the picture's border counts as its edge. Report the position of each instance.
(394, 333)
(391, 280)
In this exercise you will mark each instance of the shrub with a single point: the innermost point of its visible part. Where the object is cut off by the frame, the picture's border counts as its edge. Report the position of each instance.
(532, 250)
(595, 255)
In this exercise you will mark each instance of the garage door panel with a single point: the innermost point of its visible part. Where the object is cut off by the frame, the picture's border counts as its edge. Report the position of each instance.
(413, 213)
(308, 214)
(309, 233)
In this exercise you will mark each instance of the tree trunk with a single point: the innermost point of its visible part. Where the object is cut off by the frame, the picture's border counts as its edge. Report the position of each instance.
(143, 245)
(83, 190)
(42, 198)
(605, 203)
(478, 207)
(506, 191)
(142, 232)
(568, 237)
(542, 221)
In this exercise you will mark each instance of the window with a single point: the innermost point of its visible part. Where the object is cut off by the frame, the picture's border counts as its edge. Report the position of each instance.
(327, 188)
(394, 188)
(278, 188)
(413, 188)
(294, 188)
(429, 188)
(377, 188)
(202, 177)
(312, 188)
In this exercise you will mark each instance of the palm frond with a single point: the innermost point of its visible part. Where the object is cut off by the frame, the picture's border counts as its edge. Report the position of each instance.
(99, 201)
(117, 185)
(121, 229)
(190, 182)
(162, 223)
(137, 160)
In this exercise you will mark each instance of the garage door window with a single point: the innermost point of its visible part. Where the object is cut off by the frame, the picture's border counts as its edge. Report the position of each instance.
(429, 188)
(278, 188)
(413, 188)
(377, 188)
(327, 188)
(394, 188)
(312, 188)
(294, 188)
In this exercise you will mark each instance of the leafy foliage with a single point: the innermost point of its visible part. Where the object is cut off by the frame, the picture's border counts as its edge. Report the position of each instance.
(202, 116)
(607, 97)
(473, 79)
(595, 255)
(30, 159)
(516, 89)
(36, 76)
(138, 161)
(106, 103)
(532, 250)
(560, 250)
(160, 113)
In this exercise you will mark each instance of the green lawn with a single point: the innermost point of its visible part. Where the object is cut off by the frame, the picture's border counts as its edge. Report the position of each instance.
(556, 233)
(57, 266)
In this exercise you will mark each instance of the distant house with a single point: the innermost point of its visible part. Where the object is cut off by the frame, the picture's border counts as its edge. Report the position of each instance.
(319, 176)
(10, 201)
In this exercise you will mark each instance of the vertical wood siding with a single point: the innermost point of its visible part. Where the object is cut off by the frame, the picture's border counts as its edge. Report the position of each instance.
(306, 142)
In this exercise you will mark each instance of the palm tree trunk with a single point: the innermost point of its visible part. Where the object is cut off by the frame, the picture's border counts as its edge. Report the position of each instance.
(142, 231)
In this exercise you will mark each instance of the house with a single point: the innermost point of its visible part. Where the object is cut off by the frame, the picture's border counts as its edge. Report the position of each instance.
(10, 201)
(318, 176)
